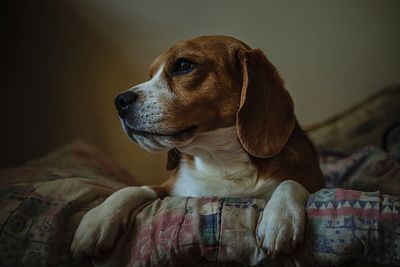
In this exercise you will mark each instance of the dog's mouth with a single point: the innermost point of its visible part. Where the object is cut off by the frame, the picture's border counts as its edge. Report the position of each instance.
(179, 135)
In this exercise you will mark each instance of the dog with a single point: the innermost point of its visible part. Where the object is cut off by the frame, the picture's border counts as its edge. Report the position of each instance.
(221, 111)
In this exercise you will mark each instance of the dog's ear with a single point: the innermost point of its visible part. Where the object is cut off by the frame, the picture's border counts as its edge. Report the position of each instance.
(173, 158)
(265, 119)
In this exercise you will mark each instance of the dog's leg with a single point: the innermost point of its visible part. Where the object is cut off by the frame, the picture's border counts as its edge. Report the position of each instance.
(281, 226)
(99, 227)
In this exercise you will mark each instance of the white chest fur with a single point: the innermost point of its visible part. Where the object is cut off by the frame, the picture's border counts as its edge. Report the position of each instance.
(221, 168)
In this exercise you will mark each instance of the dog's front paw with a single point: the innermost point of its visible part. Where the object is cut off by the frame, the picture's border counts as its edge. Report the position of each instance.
(281, 226)
(99, 227)
(280, 230)
(96, 232)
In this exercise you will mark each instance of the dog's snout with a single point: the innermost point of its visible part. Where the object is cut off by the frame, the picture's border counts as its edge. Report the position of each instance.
(124, 101)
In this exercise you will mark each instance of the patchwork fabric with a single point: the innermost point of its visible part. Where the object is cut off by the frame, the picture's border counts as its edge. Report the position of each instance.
(342, 225)
(347, 224)
(42, 202)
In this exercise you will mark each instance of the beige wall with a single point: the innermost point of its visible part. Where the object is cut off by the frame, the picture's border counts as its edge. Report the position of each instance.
(330, 53)
(68, 59)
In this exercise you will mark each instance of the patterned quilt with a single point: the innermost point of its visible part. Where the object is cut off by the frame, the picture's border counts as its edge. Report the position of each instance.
(42, 202)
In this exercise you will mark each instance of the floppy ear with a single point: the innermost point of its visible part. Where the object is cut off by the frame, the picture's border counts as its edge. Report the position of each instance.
(173, 158)
(265, 118)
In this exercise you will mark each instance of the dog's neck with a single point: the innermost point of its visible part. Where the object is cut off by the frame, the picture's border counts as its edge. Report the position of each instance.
(220, 167)
(219, 153)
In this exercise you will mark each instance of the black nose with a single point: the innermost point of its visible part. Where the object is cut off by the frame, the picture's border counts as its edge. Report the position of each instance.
(124, 101)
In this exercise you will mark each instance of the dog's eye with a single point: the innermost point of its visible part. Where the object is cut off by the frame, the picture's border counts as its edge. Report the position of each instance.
(182, 66)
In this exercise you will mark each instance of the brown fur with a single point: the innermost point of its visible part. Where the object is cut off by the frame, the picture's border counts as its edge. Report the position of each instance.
(233, 84)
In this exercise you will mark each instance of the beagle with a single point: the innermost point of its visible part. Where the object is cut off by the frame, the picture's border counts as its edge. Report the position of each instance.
(221, 111)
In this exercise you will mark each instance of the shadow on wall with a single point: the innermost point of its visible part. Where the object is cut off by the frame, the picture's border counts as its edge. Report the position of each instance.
(60, 85)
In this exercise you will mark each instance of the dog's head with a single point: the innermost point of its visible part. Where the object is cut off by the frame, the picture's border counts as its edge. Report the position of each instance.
(204, 84)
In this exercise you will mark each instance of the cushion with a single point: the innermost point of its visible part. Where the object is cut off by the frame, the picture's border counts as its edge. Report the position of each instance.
(361, 125)
(43, 201)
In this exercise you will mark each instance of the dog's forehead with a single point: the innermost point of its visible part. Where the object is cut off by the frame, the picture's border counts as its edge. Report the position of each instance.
(203, 46)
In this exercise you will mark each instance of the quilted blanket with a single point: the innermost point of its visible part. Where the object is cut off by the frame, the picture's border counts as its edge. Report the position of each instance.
(342, 225)
(42, 202)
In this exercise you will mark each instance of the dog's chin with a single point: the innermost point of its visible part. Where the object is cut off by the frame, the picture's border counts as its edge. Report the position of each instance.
(160, 141)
